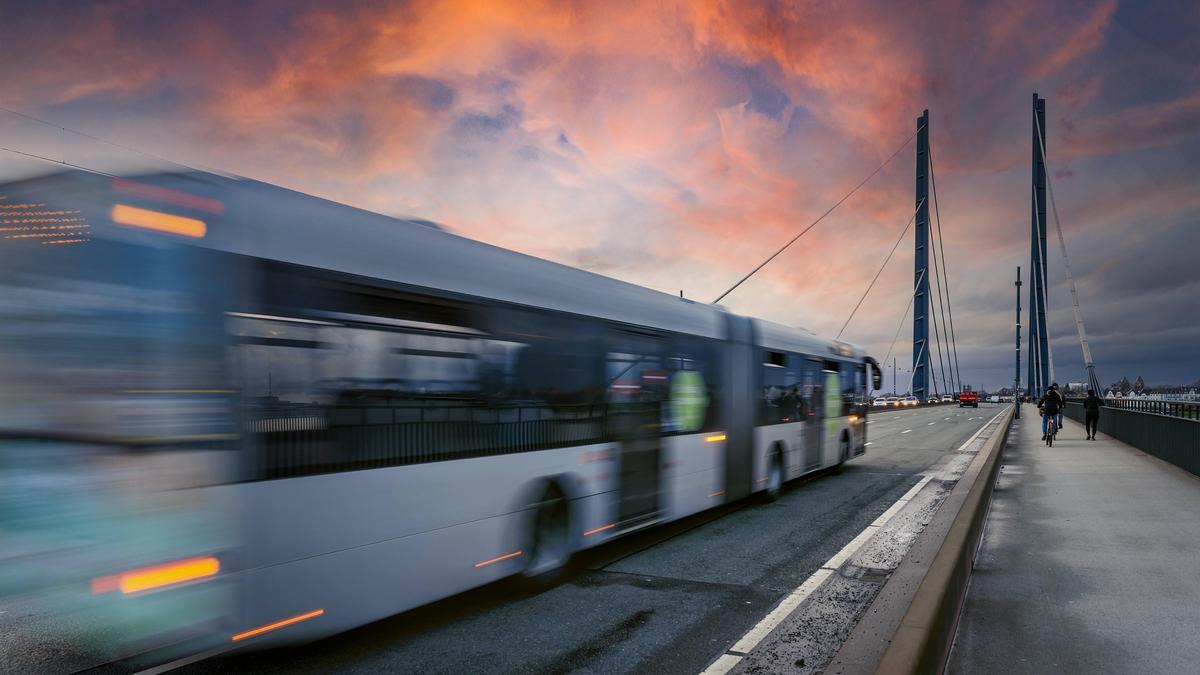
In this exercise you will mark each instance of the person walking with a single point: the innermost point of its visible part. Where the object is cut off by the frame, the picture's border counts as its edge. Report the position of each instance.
(1091, 406)
(1051, 404)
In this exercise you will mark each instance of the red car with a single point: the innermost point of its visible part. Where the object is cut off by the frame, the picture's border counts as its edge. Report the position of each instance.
(968, 398)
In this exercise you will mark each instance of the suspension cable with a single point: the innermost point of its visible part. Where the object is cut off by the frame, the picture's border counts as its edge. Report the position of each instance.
(55, 161)
(936, 333)
(84, 134)
(821, 217)
(941, 246)
(885, 262)
(1062, 243)
(903, 316)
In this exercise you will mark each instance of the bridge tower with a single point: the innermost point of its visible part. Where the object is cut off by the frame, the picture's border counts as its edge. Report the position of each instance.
(920, 343)
(1039, 359)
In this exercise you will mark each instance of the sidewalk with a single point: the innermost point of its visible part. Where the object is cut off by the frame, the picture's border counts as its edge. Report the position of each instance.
(1088, 564)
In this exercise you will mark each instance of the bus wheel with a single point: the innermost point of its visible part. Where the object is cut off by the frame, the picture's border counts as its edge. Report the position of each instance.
(843, 454)
(774, 476)
(549, 540)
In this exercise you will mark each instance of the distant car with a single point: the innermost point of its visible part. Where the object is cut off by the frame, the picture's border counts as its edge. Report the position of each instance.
(933, 400)
(947, 398)
(994, 398)
(968, 398)
(893, 401)
(880, 402)
(912, 400)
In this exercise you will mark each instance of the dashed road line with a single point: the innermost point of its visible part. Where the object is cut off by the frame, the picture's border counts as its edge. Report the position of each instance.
(906, 431)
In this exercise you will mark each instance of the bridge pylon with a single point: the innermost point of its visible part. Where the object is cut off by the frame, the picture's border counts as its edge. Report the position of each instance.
(1039, 360)
(920, 343)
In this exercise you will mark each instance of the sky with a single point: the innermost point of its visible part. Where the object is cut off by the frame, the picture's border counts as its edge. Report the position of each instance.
(676, 145)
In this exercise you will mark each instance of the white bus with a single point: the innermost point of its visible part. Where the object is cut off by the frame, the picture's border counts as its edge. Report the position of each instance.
(237, 415)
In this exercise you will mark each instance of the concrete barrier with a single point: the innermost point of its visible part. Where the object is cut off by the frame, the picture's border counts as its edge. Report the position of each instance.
(910, 625)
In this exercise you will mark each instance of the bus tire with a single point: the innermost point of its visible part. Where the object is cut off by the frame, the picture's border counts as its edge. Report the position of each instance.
(774, 486)
(548, 542)
(843, 454)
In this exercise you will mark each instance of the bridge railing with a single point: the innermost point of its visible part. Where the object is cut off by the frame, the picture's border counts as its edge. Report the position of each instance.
(1169, 430)
(1185, 409)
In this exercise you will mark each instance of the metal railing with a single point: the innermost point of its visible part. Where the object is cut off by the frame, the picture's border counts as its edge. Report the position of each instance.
(1169, 430)
(1189, 410)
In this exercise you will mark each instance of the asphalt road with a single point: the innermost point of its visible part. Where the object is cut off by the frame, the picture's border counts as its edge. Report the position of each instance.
(666, 601)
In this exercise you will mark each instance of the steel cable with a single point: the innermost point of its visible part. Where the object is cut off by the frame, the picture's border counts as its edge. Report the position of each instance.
(821, 217)
(885, 262)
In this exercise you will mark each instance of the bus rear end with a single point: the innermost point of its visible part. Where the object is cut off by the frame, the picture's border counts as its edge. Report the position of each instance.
(116, 444)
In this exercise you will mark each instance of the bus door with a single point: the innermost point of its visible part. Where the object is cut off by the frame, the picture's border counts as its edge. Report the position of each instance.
(834, 403)
(814, 405)
(745, 379)
(637, 390)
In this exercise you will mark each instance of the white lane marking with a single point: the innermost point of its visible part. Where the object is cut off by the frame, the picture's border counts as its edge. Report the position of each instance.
(784, 609)
(868, 443)
(895, 508)
(906, 431)
(947, 418)
(931, 424)
(185, 661)
(722, 665)
(789, 604)
(751, 639)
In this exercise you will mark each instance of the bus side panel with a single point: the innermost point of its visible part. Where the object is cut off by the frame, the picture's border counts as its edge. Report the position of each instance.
(295, 518)
(695, 477)
(739, 407)
(366, 583)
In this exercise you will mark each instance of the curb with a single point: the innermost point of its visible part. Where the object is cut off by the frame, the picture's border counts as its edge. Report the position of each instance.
(920, 640)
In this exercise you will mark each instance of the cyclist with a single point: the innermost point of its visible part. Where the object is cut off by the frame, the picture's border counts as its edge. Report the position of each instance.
(1051, 403)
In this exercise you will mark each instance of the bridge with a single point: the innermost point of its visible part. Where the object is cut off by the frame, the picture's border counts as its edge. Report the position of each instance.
(955, 541)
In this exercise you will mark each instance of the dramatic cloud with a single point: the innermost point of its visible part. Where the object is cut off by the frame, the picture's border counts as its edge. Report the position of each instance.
(676, 144)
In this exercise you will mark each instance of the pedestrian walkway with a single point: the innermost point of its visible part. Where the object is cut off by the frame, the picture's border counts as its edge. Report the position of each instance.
(1088, 563)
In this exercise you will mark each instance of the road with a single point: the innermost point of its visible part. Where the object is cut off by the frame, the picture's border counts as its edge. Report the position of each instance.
(669, 600)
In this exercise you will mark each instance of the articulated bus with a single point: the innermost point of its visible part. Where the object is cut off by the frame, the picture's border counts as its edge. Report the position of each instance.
(237, 416)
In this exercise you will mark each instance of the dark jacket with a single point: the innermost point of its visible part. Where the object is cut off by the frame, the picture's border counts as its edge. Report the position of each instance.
(1092, 405)
(1051, 402)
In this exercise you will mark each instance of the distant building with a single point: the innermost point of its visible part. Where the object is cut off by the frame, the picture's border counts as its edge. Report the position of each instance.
(1123, 387)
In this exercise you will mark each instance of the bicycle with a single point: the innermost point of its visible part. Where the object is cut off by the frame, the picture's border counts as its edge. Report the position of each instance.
(1051, 430)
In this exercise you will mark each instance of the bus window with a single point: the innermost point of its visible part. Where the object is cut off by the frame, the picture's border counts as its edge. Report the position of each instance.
(781, 400)
(695, 385)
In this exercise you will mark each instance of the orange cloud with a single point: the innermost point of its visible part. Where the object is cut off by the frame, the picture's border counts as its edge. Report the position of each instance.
(674, 144)
(1084, 40)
